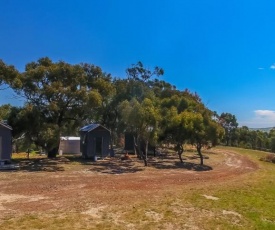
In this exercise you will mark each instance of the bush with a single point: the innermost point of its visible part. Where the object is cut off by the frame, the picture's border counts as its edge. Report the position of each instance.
(269, 158)
(248, 146)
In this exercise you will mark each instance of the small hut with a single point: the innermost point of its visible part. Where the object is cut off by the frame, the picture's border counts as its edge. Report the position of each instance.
(69, 145)
(95, 140)
(129, 143)
(5, 142)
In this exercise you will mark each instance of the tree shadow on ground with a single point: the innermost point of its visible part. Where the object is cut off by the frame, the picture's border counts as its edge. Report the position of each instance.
(42, 164)
(184, 165)
(116, 166)
(169, 163)
(108, 165)
(113, 165)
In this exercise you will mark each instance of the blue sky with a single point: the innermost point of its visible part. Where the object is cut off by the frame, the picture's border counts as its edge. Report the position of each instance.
(223, 50)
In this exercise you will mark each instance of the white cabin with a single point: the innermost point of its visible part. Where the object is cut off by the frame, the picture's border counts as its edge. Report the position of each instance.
(70, 145)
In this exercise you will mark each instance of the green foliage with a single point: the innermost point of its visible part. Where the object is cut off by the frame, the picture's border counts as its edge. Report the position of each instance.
(229, 122)
(272, 144)
(5, 111)
(61, 97)
(206, 132)
(138, 72)
(141, 119)
(254, 139)
(8, 74)
(257, 139)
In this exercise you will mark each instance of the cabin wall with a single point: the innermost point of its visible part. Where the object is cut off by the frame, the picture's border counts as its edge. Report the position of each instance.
(90, 143)
(70, 146)
(5, 143)
(129, 144)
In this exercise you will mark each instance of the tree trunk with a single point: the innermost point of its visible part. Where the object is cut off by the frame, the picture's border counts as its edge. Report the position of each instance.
(28, 153)
(180, 151)
(199, 146)
(146, 153)
(180, 157)
(141, 153)
(144, 158)
(137, 148)
(53, 152)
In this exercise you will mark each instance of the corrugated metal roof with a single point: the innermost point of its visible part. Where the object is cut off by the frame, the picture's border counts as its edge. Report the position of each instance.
(89, 127)
(5, 125)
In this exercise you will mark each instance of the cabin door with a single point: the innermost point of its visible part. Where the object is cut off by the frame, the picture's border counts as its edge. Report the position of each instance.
(98, 146)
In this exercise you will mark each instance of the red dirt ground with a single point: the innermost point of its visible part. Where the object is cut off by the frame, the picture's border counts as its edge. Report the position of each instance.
(48, 185)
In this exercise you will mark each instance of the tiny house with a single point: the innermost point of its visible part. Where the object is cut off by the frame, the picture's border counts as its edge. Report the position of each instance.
(69, 145)
(5, 142)
(95, 141)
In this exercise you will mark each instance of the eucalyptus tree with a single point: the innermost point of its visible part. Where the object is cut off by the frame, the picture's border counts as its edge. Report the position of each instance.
(140, 73)
(139, 80)
(245, 139)
(206, 132)
(230, 125)
(8, 75)
(178, 109)
(181, 129)
(5, 111)
(103, 83)
(28, 127)
(142, 120)
(271, 138)
(58, 94)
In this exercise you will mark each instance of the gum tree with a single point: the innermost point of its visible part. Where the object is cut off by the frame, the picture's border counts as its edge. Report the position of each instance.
(142, 120)
(229, 122)
(59, 95)
(206, 132)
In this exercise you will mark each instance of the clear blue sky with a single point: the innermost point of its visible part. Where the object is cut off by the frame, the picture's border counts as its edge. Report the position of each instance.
(223, 50)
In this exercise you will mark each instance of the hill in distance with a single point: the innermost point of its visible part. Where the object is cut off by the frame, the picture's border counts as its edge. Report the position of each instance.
(262, 129)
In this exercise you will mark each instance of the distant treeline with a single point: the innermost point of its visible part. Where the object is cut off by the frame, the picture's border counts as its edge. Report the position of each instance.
(244, 137)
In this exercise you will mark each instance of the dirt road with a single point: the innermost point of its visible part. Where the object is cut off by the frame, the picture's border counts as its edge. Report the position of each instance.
(72, 185)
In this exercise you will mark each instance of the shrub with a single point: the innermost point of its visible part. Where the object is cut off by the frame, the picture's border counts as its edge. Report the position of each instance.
(269, 158)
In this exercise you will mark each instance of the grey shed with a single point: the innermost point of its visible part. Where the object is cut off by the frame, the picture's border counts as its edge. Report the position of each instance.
(5, 142)
(95, 140)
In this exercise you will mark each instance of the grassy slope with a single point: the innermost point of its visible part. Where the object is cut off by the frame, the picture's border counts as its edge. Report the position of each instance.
(245, 202)
(252, 196)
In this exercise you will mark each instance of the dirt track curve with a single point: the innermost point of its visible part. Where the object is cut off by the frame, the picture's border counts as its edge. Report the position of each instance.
(65, 184)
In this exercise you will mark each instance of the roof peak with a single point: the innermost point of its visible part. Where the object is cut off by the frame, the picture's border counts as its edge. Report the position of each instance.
(5, 125)
(91, 127)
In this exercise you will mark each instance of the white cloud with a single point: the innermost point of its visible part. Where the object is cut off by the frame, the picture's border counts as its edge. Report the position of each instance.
(261, 119)
(272, 66)
(269, 114)
(260, 68)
